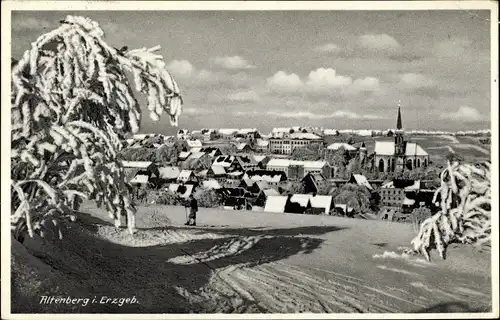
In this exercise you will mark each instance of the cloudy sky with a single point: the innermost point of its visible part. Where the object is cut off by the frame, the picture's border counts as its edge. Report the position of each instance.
(335, 69)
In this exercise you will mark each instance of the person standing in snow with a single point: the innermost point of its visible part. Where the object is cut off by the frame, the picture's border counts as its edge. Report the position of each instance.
(193, 208)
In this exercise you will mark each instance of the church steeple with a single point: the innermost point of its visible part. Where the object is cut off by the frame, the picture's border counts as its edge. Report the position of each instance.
(399, 142)
(400, 122)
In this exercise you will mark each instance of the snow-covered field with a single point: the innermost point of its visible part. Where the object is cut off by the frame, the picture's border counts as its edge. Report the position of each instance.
(238, 261)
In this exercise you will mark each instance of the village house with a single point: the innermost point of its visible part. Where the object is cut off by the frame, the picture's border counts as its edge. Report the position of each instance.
(288, 142)
(263, 196)
(227, 134)
(165, 175)
(183, 191)
(398, 155)
(275, 204)
(216, 172)
(399, 197)
(243, 147)
(248, 134)
(197, 161)
(187, 177)
(194, 145)
(314, 182)
(351, 150)
(183, 134)
(247, 162)
(211, 151)
(228, 162)
(297, 170)
(360, 180)
(261, 146)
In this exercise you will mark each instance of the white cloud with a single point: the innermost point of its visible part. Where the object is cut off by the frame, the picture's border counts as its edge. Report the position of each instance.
(325, 79)
(235, 62)
(329, 47)
(367, 84)
(244, 96)
(464, 114)
(321, 80)
(180, 68)
(282, 81)
(416, 80)
(379, 42)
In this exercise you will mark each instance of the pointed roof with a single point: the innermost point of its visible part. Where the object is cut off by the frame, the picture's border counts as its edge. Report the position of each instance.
(399, 125)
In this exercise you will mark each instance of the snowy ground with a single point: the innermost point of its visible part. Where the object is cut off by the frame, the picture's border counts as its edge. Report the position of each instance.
(238, 261)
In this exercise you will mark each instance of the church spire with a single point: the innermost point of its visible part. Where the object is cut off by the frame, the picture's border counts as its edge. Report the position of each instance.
(400, 122)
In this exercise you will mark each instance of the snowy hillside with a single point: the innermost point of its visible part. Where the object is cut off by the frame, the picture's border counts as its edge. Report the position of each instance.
(263, 262)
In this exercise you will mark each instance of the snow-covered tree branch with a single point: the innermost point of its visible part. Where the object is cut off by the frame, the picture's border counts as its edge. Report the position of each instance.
(72, 104)
(465, 215)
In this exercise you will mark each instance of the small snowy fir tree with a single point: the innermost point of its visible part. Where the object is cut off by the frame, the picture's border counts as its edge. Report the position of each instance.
(465, 216)
(72, 105)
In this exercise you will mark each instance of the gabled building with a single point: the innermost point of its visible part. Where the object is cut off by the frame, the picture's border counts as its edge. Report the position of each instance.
(399, 155)
(211, 151)
(262, 145)
(272, 178)
(165, 175)
(314, 183)
(247, 162)
(216, 172)
(299, 169)
(289, 142)
(229, 163)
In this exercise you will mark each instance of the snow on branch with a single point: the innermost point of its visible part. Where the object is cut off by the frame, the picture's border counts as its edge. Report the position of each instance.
(71, 105)
(465, 216)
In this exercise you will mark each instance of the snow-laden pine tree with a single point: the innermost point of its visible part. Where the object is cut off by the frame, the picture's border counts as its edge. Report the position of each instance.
(465, 216)
(72, 104)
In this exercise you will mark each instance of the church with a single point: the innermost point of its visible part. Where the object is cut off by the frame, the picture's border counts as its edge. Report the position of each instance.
(399, 155)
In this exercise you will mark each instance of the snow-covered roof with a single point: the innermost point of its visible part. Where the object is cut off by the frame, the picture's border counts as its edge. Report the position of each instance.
(241, 146)
(275, 204)
(140, 179)
(196, 155)
(140, 136)
(270, 192)
(262, 143)
(218, 169)
(247, 130)
(194, 143)
(338, 145)
(362, 181)
(168, 173)
(174, 187)
(323, 202)
(302, 199)
(408, 202)
(307, 136)
(196, 149)
(329, 132)
(414, 186)
(258, 158)
(224, 161)
(184, 154)
(228, 131)
(202, 173)
(185, 174)
(384, 148)
(413, 149)
(265, 177)
(136, 164)
(261, 184)
(287, 163)
(235, 173)
(211, 184)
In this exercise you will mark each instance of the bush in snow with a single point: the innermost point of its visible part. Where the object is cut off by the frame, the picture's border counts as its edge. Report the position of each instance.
(418, 215)
(208, 198)
(72, 104)
(465, 215)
